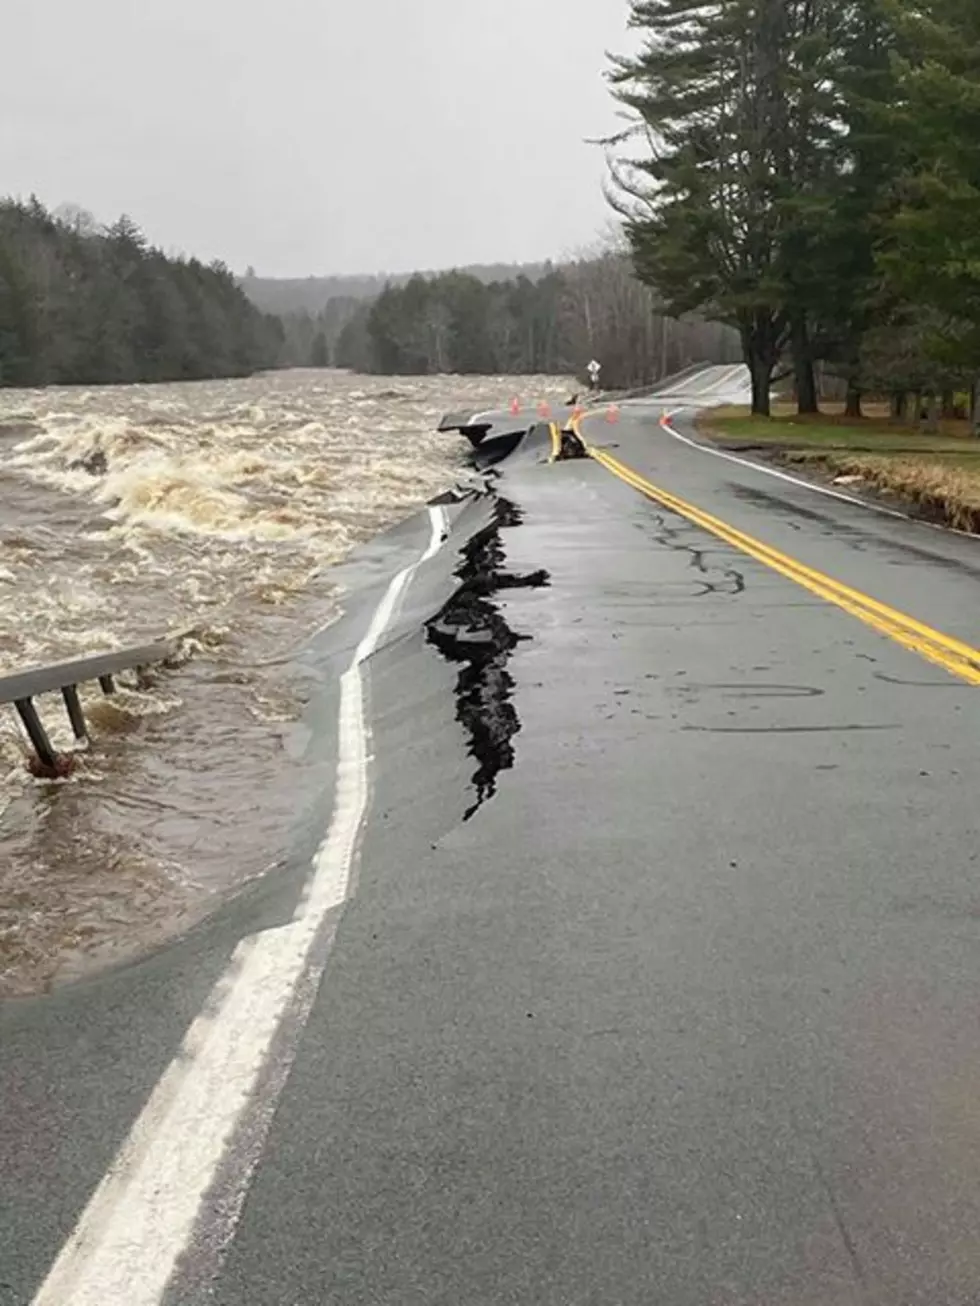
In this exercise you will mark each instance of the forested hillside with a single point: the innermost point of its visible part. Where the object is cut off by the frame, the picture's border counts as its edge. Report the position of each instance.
(86, 305)
(310, 295)
(454, 322)
(808, 172)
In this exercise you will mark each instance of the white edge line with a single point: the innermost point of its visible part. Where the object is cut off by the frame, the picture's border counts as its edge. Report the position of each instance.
(142, 1215)
(868, 504)
(667, 425)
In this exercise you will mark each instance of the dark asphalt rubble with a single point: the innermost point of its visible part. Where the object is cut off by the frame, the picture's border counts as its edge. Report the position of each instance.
(473, 631)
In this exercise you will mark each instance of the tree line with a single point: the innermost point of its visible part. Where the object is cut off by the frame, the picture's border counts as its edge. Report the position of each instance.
(454, 322)
(80, 304)
(299, 296)
(807, 172)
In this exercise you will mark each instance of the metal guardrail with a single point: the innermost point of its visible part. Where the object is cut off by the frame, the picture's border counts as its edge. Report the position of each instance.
(23, 687)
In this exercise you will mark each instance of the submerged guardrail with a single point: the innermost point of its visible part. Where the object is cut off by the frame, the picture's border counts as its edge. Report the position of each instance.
(20, 690)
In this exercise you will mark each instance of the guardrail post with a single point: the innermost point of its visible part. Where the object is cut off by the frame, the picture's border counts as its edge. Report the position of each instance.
(37, 734)
(22, 687)
(75, 714)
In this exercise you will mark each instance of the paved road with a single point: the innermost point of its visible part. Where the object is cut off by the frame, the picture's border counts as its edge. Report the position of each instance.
(709, 387)
(684, 1014)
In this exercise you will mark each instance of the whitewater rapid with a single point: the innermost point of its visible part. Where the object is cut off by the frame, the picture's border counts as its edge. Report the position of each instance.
(211, 511)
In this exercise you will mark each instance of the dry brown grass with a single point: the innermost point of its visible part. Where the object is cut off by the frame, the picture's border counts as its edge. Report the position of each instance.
(935, 475)
(942, 491)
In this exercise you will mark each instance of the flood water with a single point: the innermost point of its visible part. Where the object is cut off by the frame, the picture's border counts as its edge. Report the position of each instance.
(212, 511)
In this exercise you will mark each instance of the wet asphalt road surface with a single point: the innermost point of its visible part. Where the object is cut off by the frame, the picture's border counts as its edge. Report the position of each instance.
(684, 1013)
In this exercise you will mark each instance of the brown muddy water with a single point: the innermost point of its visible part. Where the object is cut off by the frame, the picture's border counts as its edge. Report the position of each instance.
(212, 510)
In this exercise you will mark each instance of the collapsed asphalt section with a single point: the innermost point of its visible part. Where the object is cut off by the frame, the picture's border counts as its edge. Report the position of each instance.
(570, 446)
(686, 1015)
(472, 630)
(183, 1184)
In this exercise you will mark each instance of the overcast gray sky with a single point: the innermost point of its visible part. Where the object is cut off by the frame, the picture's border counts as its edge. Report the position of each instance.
(317, 136)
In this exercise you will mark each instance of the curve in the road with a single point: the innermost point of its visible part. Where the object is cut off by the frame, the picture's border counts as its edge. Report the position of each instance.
(667, 425)
(709, 395)
(952, 654)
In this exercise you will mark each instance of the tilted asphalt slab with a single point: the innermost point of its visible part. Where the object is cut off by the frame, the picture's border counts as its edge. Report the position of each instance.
(685, 1013)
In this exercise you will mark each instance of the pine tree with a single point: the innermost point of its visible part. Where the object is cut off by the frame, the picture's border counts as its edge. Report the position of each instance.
(80, 306)
(845, 300)
(740, 109)
(320, 351)
(932, 255)
(18, 325)
(705, 229)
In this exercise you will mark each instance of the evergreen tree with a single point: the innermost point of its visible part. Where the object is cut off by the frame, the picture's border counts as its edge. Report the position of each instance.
(593, 308)
(931, 257)
(80, 306)
(709, 227)
(18, 325)
(845, 295)
(320, 351)
(751, 200)
(355, 344)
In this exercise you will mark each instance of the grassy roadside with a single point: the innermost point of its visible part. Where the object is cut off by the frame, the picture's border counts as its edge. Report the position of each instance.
(936, 476)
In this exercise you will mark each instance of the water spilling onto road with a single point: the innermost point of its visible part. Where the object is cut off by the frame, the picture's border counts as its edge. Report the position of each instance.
(212, 510)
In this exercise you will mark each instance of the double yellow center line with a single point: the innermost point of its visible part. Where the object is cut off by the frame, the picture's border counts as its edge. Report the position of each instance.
(952, 654)
(555, 441)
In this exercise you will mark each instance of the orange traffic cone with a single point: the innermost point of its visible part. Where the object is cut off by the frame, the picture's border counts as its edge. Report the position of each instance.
(544, 410)
(515, 406)
(612, 414)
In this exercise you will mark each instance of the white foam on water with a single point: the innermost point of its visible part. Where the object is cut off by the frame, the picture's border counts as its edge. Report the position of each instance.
(213, 509)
